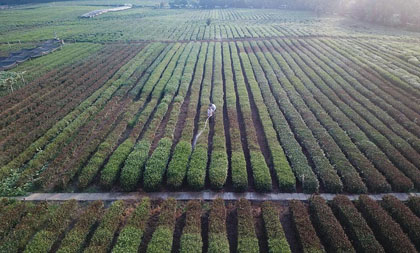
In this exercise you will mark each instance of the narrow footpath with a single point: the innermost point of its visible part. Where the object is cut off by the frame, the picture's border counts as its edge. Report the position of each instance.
(204, 195)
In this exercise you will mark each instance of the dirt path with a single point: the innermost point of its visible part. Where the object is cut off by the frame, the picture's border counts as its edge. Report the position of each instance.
(203, 195)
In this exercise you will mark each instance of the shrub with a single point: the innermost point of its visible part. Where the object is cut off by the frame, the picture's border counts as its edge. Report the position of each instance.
(131, 235)
(17, 239)
(357, 229)
(218, 242)
(330, 230)
(191, 235)
(387, 231)
(247, 239)
(75, 238)
(276, 238)
(102, 238)
(305, 232)
(57, 224)
(110, 171)
(156, 165)
(196, 174)
(11, 215)
(161, 241)
(414, 204)
(408, 221)
(177, 168)
(132, 172)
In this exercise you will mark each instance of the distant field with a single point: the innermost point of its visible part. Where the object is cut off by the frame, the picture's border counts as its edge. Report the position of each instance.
(304, 104)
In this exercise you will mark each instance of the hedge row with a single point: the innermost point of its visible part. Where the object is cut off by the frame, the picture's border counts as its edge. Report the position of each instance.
(260, 170)
(161, 241)
(293, 150)
(36, 165)
(382, 98)
(107, 147)
(218, 168)
(11, 216)
(311, 111)
(191, 234)
(59, 132)
(272, 91)
(281, 167)
(374, 180)
(356, 227)
(247, 239)
(390, 77)
(380, 117)
(387, 231)
(156, 165)
(35, 115)
(408, 221)
(75, 238)
(98, 127)
(102, 238)
(237, 157)
(131, 235)
(76, 118)
(153, 175)
(396, 148)
(330, 102)
(132, 172)
(329, 229)
(177, 168)
(44, 239)
(277, 241)
(218, 242)
(305, 232)
(414, 204)
(110, 172)
(400, 100)
(196, 173)
(17, 239)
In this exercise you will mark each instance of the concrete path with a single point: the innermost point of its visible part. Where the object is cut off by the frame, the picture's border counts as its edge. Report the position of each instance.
(204, 195)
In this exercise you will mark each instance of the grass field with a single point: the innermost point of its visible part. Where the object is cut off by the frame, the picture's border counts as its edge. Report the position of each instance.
(305, 104)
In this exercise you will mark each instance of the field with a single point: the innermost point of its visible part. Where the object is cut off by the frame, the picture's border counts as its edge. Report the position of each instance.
(195, 226)
(318, 104)
(305, 104)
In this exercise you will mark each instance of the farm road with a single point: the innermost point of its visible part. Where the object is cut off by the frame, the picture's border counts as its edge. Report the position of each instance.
(204, 195)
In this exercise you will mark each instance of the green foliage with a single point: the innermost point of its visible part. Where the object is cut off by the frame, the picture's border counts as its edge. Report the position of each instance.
(305, 232)
(17, 239)
(131, 235)
(414, 204)
(132, 172)
(156, 165)
(329, 229)
(247, 239)
(75, 238)
(387, 231)
(356, 227)
(191, 236)
(161, 241)
(57, 224)
(102, 238)
(277, 241)
(218, 241)
(111, 169)
(196, 173)
(177, 168)
(408, 221)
